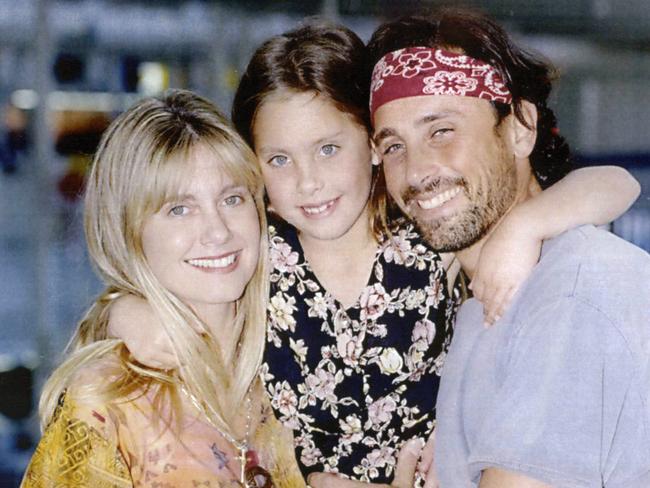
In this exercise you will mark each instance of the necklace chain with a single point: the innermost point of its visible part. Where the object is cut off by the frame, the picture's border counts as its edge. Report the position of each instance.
(242, 445)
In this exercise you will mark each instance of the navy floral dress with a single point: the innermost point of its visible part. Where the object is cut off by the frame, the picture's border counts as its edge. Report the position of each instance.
(354, 384)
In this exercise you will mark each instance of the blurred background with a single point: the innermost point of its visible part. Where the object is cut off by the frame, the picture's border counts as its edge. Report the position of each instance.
(67, 67)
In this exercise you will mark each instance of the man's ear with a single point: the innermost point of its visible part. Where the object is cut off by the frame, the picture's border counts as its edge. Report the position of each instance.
(524, 135)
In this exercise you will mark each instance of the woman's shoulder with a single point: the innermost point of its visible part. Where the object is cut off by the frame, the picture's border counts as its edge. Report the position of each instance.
(79, 447)
(105, 385)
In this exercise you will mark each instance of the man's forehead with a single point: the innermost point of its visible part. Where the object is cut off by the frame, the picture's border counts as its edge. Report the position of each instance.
(411, 112)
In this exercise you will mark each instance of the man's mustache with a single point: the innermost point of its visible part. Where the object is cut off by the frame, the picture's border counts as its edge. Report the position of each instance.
(432, 185)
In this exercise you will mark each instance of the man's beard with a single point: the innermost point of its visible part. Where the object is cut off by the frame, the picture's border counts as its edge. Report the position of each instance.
(466, 227)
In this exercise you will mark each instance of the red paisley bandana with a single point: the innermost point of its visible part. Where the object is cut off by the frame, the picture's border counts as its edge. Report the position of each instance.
(416, 71)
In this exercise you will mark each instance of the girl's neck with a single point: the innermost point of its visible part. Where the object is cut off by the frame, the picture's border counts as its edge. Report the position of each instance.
(357, 238)
(343, 265)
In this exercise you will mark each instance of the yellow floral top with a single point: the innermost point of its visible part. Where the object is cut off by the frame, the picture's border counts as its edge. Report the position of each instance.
(130, 444)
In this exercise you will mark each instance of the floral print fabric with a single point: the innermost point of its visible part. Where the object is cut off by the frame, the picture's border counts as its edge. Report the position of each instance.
(356, 383)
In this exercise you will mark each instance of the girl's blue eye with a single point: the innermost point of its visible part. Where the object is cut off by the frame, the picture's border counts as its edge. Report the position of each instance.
(328, 150)
(233, 200)
(178, 210)
(278, 161)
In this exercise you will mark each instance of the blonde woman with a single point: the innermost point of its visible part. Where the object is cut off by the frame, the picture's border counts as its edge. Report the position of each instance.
(174, 215)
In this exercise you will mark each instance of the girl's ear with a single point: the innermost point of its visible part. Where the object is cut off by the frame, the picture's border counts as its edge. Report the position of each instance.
(267, 203)
(524, 136)
(374, 155)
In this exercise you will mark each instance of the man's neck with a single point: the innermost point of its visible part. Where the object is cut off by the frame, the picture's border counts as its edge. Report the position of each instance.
(469, 257)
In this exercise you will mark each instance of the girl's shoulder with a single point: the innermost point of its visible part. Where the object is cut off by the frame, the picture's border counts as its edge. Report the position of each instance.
(282, 232)
(403, 246)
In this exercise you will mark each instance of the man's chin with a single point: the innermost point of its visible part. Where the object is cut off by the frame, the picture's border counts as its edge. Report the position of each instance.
(451, 234)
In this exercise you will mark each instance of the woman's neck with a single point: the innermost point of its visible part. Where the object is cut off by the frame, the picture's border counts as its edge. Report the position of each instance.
(219, 319)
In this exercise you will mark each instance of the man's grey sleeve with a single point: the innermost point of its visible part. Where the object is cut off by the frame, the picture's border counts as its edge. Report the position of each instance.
(571, 410)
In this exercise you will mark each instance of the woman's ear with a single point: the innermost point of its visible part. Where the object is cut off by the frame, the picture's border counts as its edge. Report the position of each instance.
(524, 134)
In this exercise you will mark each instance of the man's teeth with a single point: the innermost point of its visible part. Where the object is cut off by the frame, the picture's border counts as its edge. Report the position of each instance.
(319, 209)
(439, 200)
(213, 263)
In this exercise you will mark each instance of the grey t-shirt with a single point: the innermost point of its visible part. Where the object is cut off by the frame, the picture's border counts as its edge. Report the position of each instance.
(557, 390)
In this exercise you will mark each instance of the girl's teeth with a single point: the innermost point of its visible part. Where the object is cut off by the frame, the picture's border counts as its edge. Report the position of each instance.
(213, 263)
(439, 200)
(317, 210)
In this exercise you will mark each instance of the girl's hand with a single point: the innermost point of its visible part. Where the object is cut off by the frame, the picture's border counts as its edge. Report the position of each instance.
(132, 320)
(595, 195)
(427, 465)
(507, 259)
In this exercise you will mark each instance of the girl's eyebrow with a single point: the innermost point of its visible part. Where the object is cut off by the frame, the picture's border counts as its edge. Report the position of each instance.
(264, 150)
(327, 138)
(270, 149)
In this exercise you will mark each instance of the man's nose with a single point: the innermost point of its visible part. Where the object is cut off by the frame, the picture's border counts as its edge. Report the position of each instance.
(420, 165)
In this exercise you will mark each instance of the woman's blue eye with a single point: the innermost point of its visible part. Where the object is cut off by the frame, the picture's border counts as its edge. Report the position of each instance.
(278, 161)
(233, 200)
(178, 210)
(328, 150)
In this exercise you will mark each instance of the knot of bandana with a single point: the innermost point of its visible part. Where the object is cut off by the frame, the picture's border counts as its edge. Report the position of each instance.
(417, 71)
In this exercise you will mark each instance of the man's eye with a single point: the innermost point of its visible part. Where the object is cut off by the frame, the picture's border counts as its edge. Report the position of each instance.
(278, 161)
(328, 150)
(391, 149)
(178, 210)
(441, 132)
(233, 200)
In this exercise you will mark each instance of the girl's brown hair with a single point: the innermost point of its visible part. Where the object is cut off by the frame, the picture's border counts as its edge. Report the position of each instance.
(318, 57)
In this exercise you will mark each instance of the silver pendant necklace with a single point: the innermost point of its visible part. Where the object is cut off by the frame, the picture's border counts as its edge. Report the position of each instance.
(251, 475)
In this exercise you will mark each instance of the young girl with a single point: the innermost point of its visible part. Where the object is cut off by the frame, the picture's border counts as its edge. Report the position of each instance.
(361, 310)
(173, 214)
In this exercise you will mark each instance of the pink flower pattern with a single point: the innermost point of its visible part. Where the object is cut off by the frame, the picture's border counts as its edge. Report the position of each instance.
(355, 383)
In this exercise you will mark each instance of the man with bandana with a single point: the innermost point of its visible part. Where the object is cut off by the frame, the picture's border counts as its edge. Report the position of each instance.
(556, 393)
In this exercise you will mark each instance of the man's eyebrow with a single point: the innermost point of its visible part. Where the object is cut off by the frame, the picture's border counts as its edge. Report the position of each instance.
(436, 116)
(426, 119)
(384, 133)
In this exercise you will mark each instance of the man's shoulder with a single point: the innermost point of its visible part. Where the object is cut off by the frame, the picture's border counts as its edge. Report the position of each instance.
(590, 244)
(589, 270)
(585, 261)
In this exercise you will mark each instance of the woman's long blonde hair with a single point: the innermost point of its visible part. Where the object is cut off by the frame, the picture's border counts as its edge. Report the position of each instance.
(140, 163)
